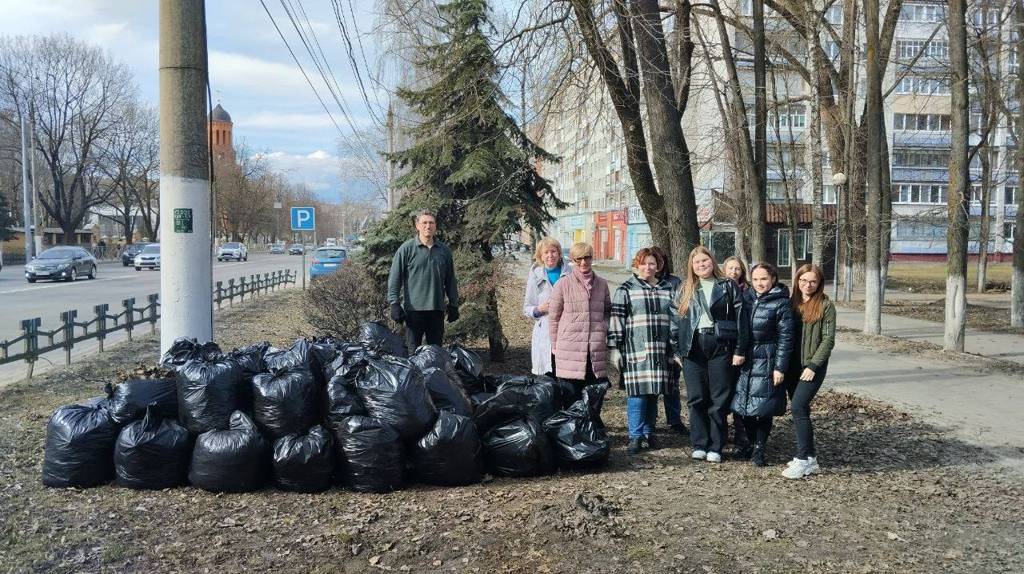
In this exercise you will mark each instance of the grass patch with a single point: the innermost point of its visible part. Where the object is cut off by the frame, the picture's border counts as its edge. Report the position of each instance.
(930, 277)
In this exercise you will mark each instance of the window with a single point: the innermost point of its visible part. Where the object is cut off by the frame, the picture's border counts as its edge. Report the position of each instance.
(921, 122)
(834, 14)
(832, 50)
(985, 17)
(922, 13)
(920, 230)
(802, 248)
(918, 193)
(1009, 229)
(909, 49)
(828, 194)
(1010, 195)
(920, 158)
(923, 85)
(790, 116)
(776, 192)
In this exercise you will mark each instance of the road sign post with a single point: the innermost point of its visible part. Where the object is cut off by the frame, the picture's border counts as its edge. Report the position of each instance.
(303, 219)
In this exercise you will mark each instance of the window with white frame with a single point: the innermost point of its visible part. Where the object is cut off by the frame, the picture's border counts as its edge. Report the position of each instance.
(922, 85)
(921, 122)
(789, 116)
(828, 194)
(832, 50)
(919, 193)
(802, 247)
(985, 17)
(776, 192)
(920, 158)
(1009, 229)
(909, 229)
(922, 13)
(909, 49)
(1010, 195)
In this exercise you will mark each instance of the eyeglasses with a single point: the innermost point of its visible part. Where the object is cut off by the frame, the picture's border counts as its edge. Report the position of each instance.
(584, 258)
(808, 281)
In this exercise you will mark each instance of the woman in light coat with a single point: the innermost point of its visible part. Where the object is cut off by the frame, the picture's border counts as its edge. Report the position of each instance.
(578, 310)
(547, 269)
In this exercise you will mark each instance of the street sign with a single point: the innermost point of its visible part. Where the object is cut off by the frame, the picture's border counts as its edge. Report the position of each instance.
(182, 220)
(303, 218)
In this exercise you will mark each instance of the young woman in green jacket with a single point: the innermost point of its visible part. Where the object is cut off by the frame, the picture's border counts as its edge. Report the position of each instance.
(815, 318)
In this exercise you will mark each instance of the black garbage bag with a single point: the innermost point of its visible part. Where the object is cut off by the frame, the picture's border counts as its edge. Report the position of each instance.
(152, 453)
(546, 396)
(479, 398)
(250, 358)
(348, 357)
(370, 454)
(79, 447)
(209, 391)
(392, 390)
(470, 368)
(340, 400)
(446, 394)
(233, 460)
(129, 400)
(436, 357)
(502, 408)
(450, 454)
(304, 462)
(312, 355)
(184, 350)
(377, 337)
(286, 401)
(577, 434)
(518, 448)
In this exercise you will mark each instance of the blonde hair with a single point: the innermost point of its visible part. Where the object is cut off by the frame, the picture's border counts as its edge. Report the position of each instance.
(743, 269)
(579, 250)
(543, 246)
(692, 280)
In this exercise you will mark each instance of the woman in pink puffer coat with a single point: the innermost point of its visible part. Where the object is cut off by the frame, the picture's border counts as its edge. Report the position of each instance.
(578, 312)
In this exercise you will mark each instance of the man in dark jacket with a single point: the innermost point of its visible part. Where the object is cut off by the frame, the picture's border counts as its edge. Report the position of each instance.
(422, 276)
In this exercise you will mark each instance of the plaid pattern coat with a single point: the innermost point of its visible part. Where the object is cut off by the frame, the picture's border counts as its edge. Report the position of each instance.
(639, 329)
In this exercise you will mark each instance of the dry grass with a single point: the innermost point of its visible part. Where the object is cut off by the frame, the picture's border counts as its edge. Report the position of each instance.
(928, 277)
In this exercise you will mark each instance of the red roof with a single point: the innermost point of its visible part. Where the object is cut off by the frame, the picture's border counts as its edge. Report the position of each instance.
(776, 212)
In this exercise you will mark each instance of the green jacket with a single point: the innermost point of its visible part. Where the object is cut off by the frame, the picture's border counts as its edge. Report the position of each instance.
(421, 277)
(818, 338)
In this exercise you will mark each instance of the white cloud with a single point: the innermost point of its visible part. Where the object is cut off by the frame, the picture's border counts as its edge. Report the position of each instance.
(318, 170)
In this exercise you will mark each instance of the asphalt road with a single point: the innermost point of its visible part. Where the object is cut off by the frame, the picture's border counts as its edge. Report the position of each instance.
(22, 300)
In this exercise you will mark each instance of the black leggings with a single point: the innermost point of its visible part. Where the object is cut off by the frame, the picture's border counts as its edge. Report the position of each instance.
(758, 429)
(801, 393)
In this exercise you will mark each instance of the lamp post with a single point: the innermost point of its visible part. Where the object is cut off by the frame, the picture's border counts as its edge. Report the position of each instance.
(277, 220)
(838, 181)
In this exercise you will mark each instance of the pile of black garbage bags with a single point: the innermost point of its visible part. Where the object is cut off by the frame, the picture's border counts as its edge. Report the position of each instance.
(324, 412)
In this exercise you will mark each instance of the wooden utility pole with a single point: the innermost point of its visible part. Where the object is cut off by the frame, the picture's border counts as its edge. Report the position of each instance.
(958, 198)
(186, 297)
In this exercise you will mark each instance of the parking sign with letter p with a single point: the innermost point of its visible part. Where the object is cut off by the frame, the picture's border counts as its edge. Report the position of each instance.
(303, 218)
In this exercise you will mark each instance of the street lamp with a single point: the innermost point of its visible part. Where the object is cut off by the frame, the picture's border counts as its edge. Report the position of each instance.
(838, 181)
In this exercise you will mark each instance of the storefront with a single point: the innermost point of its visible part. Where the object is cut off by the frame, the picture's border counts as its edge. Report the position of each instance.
(610, 235)
(638, 232)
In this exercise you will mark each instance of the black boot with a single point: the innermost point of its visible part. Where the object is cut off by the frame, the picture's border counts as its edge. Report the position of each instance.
(648, 442)
(634, 446)
(757, 454)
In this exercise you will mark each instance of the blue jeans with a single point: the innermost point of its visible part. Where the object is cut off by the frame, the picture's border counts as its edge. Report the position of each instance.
(641, 414)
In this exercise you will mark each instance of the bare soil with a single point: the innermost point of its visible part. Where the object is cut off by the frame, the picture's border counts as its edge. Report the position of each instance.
(896, 496)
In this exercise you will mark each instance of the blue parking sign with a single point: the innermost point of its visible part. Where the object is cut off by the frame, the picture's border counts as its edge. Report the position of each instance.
(303, 218)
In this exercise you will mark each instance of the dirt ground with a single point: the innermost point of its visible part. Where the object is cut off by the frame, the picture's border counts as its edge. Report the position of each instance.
(896, 496)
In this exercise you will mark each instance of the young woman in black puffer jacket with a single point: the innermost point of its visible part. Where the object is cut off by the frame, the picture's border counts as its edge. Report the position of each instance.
(760, 392)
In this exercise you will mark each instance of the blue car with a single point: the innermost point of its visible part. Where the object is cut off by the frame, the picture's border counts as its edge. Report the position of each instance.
(327, 260)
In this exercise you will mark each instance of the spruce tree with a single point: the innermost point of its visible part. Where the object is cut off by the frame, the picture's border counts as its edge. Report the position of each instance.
(470, 163)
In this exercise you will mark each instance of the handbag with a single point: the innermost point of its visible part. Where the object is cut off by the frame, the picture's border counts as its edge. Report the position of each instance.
(726, 330)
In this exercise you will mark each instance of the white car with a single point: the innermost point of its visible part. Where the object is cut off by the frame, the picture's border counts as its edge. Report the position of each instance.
(148, 258)
(234, 250)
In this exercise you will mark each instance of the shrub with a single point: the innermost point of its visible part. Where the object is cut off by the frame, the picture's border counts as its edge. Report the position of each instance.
(337, 304)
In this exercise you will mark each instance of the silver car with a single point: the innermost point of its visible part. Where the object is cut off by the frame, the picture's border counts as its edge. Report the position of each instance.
(233, 250)
(148, 258)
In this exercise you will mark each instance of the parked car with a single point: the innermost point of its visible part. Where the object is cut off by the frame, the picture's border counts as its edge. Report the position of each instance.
(277, 248)
(327, 260)
(61, 263)
(233, 250)
(148, 258)
(129, 253)
(296, 249)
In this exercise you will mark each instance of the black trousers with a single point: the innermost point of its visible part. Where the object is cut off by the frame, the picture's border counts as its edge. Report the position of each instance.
(578, 385)
(801, 393)
(707, 372)
(758, 429)
(420, 324)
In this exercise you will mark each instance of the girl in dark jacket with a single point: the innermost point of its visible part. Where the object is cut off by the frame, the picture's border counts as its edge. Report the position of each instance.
(707, 336)
(735, 269)
(815, 319)
(760, 393)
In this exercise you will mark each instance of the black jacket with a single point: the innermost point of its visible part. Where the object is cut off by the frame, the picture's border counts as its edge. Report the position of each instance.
(770, 320)
(726, 304)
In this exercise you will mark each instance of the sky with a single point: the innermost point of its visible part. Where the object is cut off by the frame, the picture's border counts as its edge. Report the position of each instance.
(252, 74)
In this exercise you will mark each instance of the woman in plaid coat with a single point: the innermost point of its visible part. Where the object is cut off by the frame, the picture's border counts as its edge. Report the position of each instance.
(638, 337)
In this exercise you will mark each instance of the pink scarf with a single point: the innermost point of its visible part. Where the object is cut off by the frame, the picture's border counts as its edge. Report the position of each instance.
(585, 279)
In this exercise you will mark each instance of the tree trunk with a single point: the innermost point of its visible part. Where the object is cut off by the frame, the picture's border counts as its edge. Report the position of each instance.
(1017, 278)
(886, 193)
(873, 127)
(959, 181)
(814, 141)
(758, 251)
(671, 154)
(986, 193)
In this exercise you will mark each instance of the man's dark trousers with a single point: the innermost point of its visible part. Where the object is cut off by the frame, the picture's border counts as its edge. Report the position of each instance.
(420, 324)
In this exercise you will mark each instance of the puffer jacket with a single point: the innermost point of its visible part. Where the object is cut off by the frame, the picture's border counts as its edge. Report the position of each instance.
(769, 317)
(726, 304)
(578, 327)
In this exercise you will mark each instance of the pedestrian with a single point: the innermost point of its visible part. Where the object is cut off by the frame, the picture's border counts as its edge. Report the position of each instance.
(760, 393)
(638, 343)
(578, 312)
(422, 276)
(707, 339)
(736, 269)
(547, 269)
(815, 324)
(672, 401)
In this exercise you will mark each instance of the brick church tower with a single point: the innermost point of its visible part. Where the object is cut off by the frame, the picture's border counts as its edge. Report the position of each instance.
(220, 131)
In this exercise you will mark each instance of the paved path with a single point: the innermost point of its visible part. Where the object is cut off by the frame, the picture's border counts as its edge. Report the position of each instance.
(982, 409)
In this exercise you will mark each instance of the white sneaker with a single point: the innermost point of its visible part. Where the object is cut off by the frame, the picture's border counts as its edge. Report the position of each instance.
(799, 469)
(812, 466)
(714, 457)
(792, 462)
(698, 454)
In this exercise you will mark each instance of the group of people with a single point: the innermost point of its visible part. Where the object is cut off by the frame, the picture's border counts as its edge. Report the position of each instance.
(741, 343)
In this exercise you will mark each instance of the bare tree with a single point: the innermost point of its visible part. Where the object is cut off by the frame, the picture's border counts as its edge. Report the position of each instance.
(119, 162)
(1017, 280)
(873, 127)
(146, 173)
(958, 199)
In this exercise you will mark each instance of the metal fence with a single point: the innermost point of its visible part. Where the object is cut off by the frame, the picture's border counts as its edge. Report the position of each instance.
(35, 341)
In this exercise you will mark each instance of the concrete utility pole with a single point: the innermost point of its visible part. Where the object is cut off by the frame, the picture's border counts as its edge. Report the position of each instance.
(35, 188)
(26, 204)
(186, 275)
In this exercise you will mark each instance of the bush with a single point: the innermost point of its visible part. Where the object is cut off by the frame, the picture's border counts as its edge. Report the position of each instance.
(339, 303)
